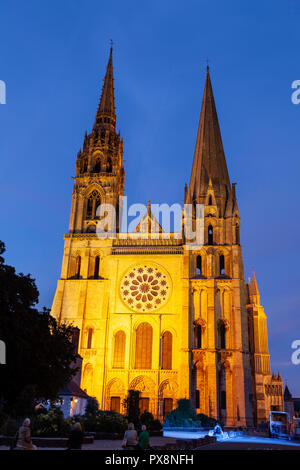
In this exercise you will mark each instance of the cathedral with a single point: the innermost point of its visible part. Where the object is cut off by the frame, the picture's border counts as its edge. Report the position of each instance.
(152, 314)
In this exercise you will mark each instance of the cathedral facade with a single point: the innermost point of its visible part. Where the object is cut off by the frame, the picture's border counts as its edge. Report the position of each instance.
(153, 314)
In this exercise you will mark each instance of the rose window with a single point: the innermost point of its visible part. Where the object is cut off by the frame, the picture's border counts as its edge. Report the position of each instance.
(145, 288)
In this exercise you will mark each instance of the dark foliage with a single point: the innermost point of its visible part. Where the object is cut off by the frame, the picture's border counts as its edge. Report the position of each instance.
(149, 421)
(38, 350)
(131, 405)
(92, 407)
(184, 415)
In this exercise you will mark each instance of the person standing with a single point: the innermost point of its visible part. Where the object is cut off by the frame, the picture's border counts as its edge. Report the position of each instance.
(24, 437)
(144, 438)
(130, 440)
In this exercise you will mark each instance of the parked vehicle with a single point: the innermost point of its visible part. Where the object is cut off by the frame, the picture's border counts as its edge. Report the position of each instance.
(279, 424)
(295, 428)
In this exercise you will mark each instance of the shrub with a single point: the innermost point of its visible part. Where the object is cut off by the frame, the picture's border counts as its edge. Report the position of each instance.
(205, 421)
(10, 426)
(51, 424)
(105, 421)
(92, 407)
(151, 423)
(183, 415)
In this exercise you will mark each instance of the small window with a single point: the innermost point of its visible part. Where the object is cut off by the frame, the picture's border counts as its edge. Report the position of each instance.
(78, 267)
(210, 235)
(199, 265)
(97, 265)
(89, 338)
(210, 201)
(222, 265)
(222, 336)
(198, 331)
(237, 234)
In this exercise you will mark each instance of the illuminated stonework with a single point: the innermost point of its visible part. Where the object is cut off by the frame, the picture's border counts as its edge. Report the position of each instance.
(153, 315)
(145, 288)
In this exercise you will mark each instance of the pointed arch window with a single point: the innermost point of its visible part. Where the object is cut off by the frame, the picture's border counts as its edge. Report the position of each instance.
(222, 265)
(210, 201)
(143, 349)
(210, 233)
(119, 350)
(109, 165)
(96, 268)
(97, 167)
(166, 350)
(93, 204)
(84, 166)
(199, 265)
(89, 211)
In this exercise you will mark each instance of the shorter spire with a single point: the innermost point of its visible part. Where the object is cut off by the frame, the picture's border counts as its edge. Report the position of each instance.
(253, 290)
(254, 284)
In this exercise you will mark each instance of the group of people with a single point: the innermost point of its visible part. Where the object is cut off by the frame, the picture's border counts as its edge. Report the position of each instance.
(131, 438)
(134, 441)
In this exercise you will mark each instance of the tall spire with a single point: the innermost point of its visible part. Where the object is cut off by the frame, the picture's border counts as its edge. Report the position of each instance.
(106, 109)
(209, 158)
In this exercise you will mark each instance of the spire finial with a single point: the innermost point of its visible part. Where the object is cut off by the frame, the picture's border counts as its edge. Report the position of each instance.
(207, 64)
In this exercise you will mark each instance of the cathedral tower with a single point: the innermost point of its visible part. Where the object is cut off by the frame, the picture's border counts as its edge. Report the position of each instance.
(99, 168)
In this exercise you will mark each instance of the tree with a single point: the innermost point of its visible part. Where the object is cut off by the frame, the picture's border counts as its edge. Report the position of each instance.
(131, 405)
(39, 352)
(92, 407)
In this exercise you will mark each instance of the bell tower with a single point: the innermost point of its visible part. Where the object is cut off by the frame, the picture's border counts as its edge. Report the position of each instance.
(99, 165)
(221, 378)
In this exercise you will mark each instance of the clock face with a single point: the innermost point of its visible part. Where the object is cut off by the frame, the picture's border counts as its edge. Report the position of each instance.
(145, 288)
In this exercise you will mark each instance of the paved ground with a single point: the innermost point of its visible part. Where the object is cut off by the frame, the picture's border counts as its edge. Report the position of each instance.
(245, 443)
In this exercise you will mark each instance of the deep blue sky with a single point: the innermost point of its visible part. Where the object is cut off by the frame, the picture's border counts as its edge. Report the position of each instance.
(53, 56)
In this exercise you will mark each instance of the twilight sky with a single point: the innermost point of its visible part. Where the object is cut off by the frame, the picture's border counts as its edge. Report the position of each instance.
(53, 58)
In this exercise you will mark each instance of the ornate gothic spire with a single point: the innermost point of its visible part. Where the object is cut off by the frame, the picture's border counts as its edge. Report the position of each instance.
(209, 158)
(106, 109)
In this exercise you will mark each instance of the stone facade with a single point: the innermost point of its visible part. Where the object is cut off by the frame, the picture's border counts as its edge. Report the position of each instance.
(153, 315)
